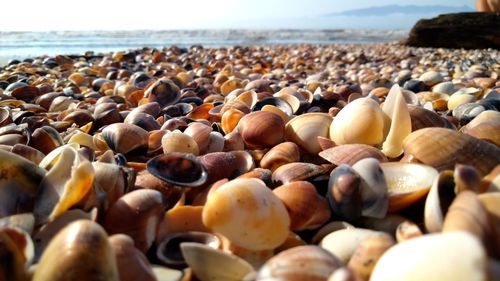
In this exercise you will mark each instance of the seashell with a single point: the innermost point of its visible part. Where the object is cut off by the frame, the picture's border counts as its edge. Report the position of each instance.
(344, 194)
(144, 211)
(407, 183)
(80, 251)
(304, 130)
(233, 141)
(444, 88)
(300, 263)
(60, 103)
(178, 169)
(169, 251)
(45, 139)
(68, 180)
(407, 230)
(143, 120)
(459, 99)
(248, 97)
(449, 256)
(395, 107)
(343, 243)
(485, 126)
(443, 148)
(28, 152)
(230, 119)
(181, 219)
(466, 178)
(230, 85)
(163, 273)
(276, 110)
(343, 274)
(235, 104)
(206, 263)
(200, 134)
(79, 117)
(283, 153)
(131, 263)
(248, 214)
(297, 171)
(374, 190)
(229, 165)
(126, 138)
(163, 91)
(329, 228)
(176, 141)
(423, 118)
(17, 253)
(276, 102)
(299, 198)
(387, 224)
(259, 85)
(438, 201)
(351, 153)
(47, 232)
(25, 222)
(258, 173)
(261, 129)
(368, 253)
(466, 213)
(361, 121)
(431, 78)
(5, 117)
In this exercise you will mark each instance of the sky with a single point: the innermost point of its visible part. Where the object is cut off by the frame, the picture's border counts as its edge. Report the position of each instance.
(38, 15)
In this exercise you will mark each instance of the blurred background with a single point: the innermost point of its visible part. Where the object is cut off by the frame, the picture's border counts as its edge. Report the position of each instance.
(57, 27)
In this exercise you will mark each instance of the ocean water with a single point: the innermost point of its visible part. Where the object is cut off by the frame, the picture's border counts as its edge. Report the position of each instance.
(21, 45)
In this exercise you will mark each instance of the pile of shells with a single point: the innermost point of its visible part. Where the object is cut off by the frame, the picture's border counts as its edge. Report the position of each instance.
(306, 162)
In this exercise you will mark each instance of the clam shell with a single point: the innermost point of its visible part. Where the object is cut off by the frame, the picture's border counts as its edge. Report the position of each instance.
(261, 129)
(297, 171)
(144, 211)
(300, 263)
(279, 155)
(361, 121)
(220, 165)
(81, 251)
(126, 138)
(304, 130)
(131, 263)
(407, 183)
(181, 219)
(343, 243)
(450, 256)
(163, 91)
(206, 263)
(351, 153)
(300, 199)
(443, 148)
(368, 253)
(176, 141)
(248, 214)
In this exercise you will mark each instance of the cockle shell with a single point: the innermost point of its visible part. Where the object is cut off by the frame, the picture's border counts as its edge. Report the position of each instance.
(261, 129)
(81, 251)
(342, 243)
(351, 153)
(361, 121)
(451, 256)
(126, 138)
(304, 130)
(443, 148)
(248, 214)
(300, 263)
(283, 153)
(177, 141)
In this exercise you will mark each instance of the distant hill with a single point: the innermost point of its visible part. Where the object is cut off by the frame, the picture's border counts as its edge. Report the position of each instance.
(403, 9)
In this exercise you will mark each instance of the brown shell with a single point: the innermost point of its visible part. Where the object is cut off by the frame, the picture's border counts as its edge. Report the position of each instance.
(351, 153)
(261, 129)
(283, 153)
(443, 148)
(163, 91)
(423, 118)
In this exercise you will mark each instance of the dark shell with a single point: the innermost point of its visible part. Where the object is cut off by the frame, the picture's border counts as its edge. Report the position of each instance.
(179, 169)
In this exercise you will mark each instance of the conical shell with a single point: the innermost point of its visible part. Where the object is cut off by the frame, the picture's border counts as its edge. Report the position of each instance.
(395, 107)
